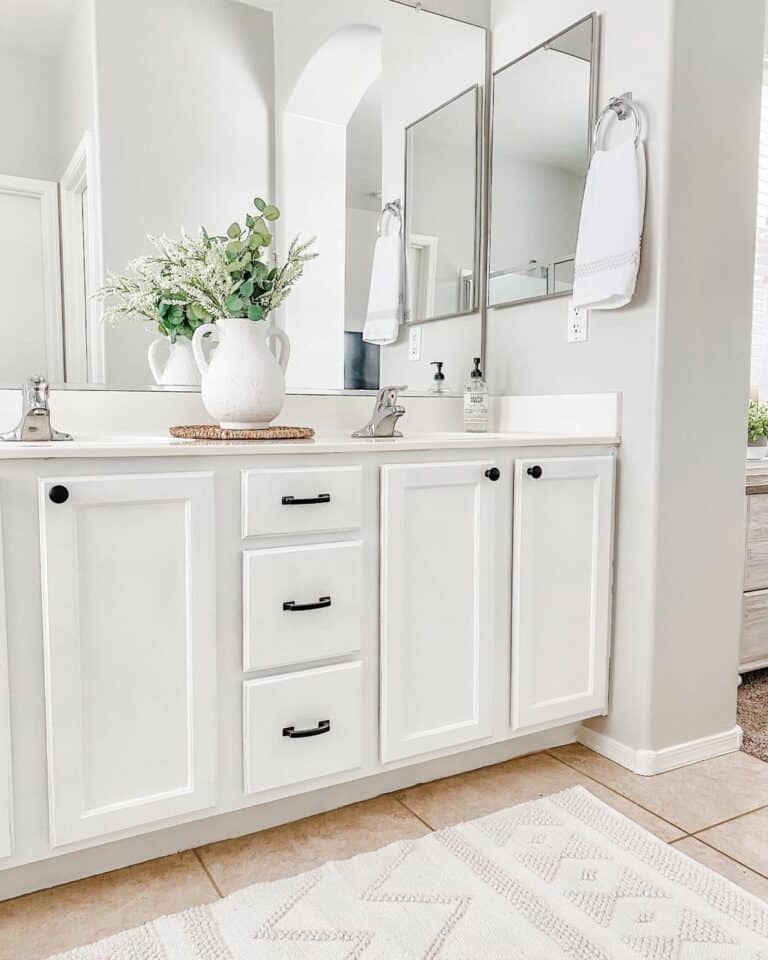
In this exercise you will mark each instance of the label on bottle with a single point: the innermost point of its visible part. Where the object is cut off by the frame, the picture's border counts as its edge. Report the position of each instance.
(475, 408)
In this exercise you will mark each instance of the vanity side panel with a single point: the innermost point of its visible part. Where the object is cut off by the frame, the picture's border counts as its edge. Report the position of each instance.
(6, 790)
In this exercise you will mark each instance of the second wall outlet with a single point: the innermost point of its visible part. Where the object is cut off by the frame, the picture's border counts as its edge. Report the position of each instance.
(414, 343)
(578, 324)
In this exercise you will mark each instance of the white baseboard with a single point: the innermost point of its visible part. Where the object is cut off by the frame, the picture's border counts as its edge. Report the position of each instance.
(648, 763)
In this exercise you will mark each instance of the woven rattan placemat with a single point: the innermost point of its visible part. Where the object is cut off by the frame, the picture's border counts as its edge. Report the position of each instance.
(213, 432)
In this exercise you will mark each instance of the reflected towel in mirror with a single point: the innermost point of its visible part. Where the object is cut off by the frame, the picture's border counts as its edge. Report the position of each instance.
(611, 228)
(385, 301)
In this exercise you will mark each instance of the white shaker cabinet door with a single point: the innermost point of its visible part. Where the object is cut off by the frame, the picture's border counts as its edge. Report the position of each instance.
(437, 602)
(128, 565)
(6, 797)
(561, 590)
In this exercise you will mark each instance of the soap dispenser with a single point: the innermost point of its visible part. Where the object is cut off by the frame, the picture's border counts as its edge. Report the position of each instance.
(476, 401)
(438, 381)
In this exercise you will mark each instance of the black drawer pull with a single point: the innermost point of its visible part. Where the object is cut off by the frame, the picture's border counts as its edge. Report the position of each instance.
(323, 727)
(534, 472)
(493, 474)
(294, 607)
(58, 494)
(302, 501)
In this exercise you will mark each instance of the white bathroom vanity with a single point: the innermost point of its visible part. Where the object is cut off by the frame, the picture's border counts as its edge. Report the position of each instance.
(194, 630)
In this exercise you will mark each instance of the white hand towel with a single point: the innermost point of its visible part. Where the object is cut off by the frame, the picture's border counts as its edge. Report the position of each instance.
(611, 228)
(385, 301)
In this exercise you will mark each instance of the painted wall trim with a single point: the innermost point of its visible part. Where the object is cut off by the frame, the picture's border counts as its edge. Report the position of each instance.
(648, 763)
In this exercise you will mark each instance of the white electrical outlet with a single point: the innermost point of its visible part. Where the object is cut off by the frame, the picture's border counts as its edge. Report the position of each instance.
(578, 324)
(414, 343)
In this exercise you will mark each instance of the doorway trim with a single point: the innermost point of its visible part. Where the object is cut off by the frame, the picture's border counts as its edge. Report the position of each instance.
(85, 341)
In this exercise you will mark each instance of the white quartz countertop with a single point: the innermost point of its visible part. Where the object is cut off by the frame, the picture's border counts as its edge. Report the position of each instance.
(159, 446)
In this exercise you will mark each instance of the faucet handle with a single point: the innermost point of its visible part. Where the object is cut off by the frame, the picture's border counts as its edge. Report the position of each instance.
(389, 395)
(36, 391)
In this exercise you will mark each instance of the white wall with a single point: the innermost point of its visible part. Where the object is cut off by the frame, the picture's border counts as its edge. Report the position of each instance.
(185, 93)
(361, 237)
(535, 213)
(29, 110)
(75, 66)
(677, 352)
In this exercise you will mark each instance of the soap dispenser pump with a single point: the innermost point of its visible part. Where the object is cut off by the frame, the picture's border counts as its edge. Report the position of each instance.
(476, 401)
(438, 381)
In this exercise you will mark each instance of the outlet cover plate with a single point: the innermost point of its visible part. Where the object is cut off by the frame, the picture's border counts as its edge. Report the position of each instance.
(414, 343)
(578, 324)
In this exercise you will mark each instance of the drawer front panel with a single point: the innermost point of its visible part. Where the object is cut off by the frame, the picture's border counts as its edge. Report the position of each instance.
(754, 637)
(301, 500)
(301, 604)
(756, 571)
(302, 726)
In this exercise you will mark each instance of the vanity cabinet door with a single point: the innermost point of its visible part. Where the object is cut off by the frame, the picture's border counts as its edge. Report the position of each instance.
(561, 589)
(128, 567)
(437, 602)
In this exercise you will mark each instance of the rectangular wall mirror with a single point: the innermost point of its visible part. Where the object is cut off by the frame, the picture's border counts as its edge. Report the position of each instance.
(120, 120)
(544, 107)
(443, 208)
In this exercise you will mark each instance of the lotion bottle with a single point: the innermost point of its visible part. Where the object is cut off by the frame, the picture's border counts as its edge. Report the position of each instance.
(476, 402)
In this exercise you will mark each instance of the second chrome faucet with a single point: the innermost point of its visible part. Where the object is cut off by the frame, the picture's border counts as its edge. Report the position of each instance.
(386, 413)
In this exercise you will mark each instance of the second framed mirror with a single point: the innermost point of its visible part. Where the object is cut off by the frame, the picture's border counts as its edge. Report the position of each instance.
(544, 106)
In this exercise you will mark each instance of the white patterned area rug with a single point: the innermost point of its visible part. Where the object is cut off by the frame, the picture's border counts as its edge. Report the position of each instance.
(565, 876)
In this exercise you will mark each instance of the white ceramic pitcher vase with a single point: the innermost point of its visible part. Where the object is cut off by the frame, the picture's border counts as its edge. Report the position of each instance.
(180, 369)
(243, 385)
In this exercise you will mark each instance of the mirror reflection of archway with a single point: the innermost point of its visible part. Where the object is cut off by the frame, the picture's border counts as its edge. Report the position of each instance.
(331, 186)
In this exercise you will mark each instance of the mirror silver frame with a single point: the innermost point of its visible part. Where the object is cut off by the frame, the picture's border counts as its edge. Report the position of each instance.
(594, 81)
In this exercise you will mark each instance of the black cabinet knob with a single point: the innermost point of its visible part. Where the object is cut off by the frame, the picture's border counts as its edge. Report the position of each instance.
(493, 474)
(535, 472)
(58, 494)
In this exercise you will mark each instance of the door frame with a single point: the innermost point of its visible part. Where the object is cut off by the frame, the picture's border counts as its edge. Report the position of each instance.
(86, 341)
(46, 192)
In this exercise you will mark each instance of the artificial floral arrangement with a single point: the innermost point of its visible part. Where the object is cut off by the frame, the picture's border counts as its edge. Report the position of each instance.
(199, 279)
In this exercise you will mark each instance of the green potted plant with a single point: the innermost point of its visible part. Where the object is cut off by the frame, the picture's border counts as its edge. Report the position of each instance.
(206, 285)
(757, 430)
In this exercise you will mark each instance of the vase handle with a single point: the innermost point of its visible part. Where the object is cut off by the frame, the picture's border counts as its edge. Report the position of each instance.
(285, 345)
(197, 346)
(153, 359)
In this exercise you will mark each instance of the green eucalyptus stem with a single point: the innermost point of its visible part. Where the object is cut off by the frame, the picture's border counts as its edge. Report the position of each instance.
(195, 280)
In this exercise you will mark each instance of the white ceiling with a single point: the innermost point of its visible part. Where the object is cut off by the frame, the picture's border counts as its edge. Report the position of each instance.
(34, 24)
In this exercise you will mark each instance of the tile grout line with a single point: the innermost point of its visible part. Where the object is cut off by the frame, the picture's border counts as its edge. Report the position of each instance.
(677, 826)
(618, 793)
(728, 856)
(414, 814)
(207, 872)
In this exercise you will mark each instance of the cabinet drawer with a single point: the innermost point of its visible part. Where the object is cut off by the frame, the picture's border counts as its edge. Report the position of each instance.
(754, 636)
(756, 572)
(301, 500)
(302, 726)
(301, 604)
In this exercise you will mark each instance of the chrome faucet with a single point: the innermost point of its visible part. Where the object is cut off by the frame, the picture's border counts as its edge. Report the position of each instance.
(35, 423)
(386, 413)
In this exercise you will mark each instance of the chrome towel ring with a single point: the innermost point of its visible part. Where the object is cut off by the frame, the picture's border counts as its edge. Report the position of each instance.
(394, 209)
(623, 107)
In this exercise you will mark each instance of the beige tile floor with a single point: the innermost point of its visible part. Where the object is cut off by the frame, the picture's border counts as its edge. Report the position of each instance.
(716, 812)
